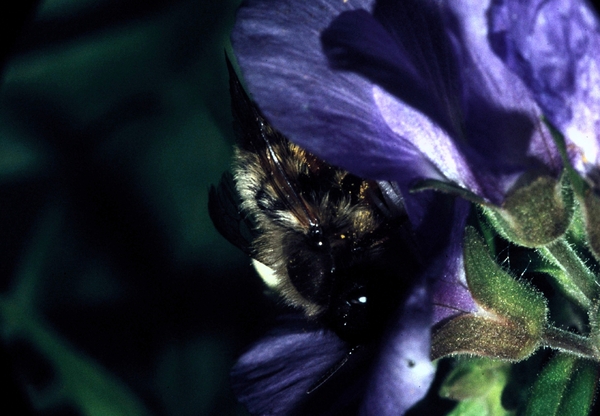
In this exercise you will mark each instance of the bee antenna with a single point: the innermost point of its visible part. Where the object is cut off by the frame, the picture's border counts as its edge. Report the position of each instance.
(329, 373)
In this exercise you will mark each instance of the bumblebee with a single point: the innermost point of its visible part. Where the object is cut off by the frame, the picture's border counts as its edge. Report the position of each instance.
(338, 247)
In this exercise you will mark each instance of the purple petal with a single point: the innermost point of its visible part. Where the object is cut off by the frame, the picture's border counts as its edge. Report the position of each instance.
(331, 113)
(443, 90)
(403, 373)
(434, 60)
(498, 111)
(278, 48)
(428, 137)
(451, 294)
(273, 377)
(553, 46)
(357, 41)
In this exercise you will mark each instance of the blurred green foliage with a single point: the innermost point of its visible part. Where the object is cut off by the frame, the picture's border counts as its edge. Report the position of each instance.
(117, 296)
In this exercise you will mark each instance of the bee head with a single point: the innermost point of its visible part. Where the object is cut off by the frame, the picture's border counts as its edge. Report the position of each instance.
(357, 287)
(310, 264)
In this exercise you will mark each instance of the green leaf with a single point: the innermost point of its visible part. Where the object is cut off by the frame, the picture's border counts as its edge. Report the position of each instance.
(581, 389)
(84, 383)
(478, 384)
(566, 386)
(478, 407)
(90, 387)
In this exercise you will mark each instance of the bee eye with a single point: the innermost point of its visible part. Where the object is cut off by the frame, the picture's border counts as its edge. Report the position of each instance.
(357, 296)
(361, 300)
(349, 315)
(316, 237)
(309, 265)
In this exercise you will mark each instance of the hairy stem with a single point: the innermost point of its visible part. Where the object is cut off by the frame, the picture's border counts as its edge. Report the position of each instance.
(575, 278)
(570, 343)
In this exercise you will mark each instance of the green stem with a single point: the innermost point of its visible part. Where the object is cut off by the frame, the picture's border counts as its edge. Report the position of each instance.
(574, 277)
(570, 343)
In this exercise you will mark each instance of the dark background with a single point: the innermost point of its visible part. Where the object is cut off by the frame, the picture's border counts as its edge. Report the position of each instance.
(117, 296)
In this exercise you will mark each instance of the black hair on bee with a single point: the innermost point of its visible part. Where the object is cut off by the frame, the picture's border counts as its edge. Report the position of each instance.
(339, 247)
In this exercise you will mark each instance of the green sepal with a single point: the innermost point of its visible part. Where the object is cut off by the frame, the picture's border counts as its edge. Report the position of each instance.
(496, 291)
(513, 314)
(577, 182)
(566, 386)
(478, 384)
(570, 272)
(566, 285)
(577, 232)
(536, 213)
(594, 323)
(591, 219)
(587, 197)
(448, 188)
(493, 337)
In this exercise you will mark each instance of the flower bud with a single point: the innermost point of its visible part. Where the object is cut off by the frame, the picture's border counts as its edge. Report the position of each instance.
(512, 316)
(536, 214)
(484, 337)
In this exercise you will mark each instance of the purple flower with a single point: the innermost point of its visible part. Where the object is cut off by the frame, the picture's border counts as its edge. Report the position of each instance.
(274, 376)
(553, 46)
(394, 90)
